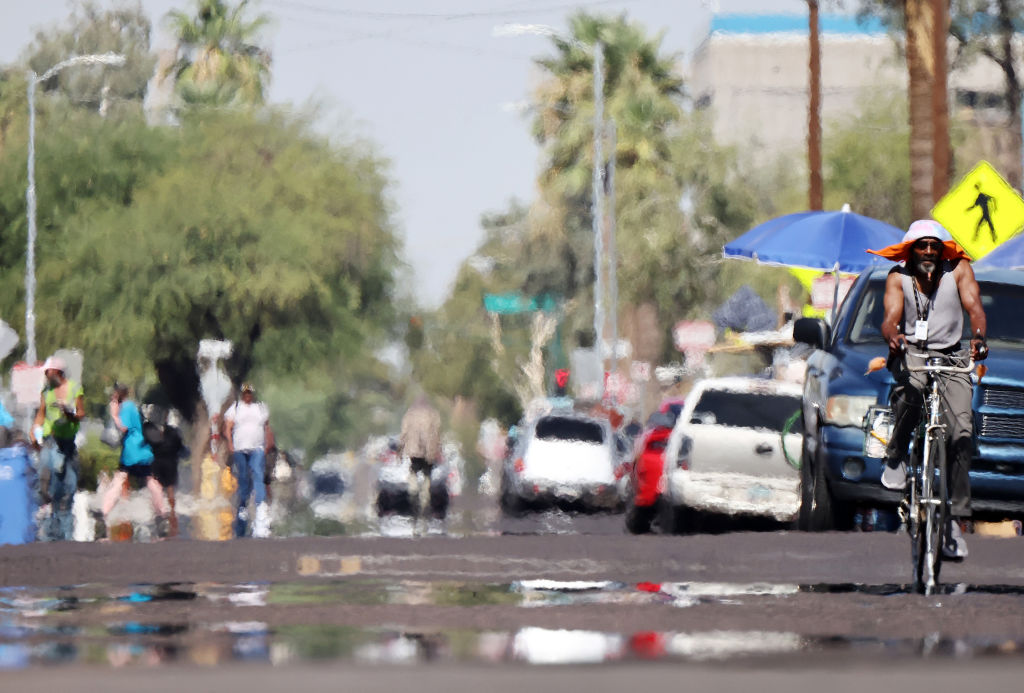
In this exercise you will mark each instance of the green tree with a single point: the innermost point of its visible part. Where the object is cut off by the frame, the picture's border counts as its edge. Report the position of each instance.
(983, 29)
(219, 61)
(91, 29)
(256, 231)
(643, 96)
(458, 358)
(990, 29)
(83, 161)
(859, 155)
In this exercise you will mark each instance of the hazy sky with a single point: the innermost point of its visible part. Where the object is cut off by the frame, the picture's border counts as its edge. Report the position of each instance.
(430, 84)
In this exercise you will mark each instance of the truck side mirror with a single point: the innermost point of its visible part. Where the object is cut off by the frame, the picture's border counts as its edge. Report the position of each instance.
(811, 331)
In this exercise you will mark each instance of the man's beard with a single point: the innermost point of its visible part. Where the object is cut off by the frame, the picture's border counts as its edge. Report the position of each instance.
(926, 267)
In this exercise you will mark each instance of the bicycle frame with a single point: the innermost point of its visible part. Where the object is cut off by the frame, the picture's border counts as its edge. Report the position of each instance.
(927, 501)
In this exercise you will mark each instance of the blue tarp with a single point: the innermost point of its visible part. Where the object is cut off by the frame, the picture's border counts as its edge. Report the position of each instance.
(17, 496)
(745, 311)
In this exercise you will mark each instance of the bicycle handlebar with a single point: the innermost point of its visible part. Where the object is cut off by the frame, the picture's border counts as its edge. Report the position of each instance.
(938, 369)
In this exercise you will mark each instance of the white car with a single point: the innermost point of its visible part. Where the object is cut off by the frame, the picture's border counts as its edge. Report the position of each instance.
(734, 450)
(562, 458)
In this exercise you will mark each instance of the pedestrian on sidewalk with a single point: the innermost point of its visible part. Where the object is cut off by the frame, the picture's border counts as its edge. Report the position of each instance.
(248, 436)
(164, 439)
(136, 457)
(61, 408)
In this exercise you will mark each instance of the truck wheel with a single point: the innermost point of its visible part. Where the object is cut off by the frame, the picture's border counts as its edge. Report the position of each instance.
(815, 501)
(803, 518)
(819, 510)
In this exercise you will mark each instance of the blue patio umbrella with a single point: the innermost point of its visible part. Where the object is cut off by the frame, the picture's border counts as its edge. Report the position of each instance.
(828, 241)
(1007, 255)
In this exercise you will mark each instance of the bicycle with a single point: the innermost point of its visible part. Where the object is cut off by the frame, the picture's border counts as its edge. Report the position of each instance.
(925, 508)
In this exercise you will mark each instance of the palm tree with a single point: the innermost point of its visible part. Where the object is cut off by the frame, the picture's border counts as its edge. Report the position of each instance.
(643, 97)
(920, 100)
(643, 93)
(219, 62)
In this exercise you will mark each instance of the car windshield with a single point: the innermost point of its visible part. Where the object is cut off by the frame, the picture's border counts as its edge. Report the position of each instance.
(747, 410)
(562, 428)
(1003, 304)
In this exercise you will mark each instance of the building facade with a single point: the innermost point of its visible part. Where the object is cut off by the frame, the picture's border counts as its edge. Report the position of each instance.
(752, 73)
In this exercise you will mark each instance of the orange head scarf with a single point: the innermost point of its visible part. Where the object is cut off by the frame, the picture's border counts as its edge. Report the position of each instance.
(923, 228)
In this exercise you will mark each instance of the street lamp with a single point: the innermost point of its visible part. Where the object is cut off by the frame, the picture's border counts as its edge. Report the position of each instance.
(598, 182)
(30, 192)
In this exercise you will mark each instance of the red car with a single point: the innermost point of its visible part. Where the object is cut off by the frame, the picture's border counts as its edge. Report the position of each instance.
(645, 477)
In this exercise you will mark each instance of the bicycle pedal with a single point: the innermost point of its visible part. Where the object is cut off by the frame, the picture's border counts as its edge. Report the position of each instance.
(903, 511)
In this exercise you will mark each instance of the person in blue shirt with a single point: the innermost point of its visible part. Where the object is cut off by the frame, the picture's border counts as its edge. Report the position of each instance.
(6, 420)
(6, 424)
(136, 455)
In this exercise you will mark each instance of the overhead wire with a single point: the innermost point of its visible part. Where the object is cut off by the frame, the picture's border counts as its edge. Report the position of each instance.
(392, 34)
(447, 16)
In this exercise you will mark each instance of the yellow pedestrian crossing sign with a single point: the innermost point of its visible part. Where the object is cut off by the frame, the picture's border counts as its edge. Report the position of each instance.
(982, 211)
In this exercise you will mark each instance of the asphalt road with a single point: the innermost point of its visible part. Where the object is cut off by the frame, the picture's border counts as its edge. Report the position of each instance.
(544, 601)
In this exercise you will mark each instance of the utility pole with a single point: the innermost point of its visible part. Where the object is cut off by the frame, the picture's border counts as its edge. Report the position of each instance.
(613, 261)
(598, 203)
(815, 194)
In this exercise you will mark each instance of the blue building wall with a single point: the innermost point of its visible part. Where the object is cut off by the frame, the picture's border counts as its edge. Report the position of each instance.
(830, 24)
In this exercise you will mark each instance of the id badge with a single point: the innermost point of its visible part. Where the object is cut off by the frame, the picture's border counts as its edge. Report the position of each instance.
(921, 330)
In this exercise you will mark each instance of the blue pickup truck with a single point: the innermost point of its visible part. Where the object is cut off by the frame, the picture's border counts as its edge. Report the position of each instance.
(837, 477)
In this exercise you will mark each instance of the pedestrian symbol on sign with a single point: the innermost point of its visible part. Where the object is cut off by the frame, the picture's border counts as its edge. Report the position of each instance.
(982, 211)
(982, 202)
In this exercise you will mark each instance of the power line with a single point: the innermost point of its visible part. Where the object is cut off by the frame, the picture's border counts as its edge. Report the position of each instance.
(447, 16)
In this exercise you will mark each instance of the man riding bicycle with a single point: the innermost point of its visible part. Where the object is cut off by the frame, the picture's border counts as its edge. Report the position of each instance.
(925, 298)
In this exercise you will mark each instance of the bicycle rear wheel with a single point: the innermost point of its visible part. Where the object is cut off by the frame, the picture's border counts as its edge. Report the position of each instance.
(935, 515)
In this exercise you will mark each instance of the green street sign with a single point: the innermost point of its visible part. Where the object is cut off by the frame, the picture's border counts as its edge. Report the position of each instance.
(512, 303)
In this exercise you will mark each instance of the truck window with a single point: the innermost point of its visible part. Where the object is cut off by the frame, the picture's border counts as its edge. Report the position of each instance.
(866, 327)
(1003, 304)
(1004, 308)
(747, 410)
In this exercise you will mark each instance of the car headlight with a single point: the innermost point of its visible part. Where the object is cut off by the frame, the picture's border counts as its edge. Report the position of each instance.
(847, 410)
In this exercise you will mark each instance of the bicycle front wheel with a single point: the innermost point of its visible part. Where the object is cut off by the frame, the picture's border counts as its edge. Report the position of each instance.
(915, 515)
(934, 515)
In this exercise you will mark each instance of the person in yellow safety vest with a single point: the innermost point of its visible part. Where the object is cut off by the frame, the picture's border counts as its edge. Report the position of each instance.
(61, 408)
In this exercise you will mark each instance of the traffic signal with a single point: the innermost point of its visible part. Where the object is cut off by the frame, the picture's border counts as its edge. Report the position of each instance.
(561, 381)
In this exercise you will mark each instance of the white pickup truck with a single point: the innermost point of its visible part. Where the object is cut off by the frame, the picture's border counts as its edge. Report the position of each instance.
(734, 450)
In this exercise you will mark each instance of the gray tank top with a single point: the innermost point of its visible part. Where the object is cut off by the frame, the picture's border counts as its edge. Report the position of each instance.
(944, 312)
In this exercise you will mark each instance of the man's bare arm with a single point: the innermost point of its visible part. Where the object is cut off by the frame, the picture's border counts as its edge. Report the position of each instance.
(970, 297)
(893, 305)
(41, 412)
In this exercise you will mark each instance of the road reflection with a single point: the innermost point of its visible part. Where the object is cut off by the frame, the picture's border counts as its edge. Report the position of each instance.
(209, 624)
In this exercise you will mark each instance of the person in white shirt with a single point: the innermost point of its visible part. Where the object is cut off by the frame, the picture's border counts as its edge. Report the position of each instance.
(248, 436)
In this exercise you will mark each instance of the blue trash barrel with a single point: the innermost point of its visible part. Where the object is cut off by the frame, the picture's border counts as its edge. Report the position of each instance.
(17, 496)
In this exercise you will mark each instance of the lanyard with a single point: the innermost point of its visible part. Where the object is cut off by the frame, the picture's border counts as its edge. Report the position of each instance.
(923, 311)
